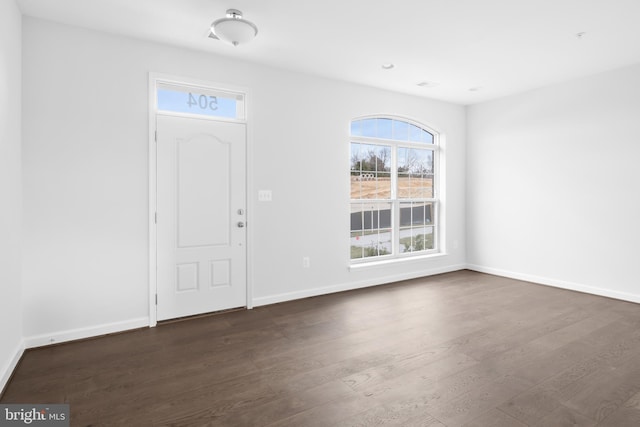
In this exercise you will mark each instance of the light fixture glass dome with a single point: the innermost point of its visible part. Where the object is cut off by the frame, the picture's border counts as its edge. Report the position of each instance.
(234, 28)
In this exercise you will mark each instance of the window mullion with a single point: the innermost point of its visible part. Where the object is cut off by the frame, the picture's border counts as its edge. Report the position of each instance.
(395, 206)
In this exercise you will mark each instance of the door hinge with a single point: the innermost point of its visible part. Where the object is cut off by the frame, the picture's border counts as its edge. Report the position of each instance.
(156, 299)
(155, 217)
(155, 136)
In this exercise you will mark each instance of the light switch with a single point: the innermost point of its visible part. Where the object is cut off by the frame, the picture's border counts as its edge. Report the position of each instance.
(264, 195)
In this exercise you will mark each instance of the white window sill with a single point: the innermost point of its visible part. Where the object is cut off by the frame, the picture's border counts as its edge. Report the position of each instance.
(393, 261)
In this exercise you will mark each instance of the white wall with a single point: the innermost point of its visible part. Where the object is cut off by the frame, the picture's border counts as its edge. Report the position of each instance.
(10, 188)
(552, 185)
(86, 177)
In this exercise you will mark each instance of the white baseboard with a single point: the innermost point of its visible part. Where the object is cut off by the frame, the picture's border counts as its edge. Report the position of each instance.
(557, 283)
(88, 332)
(8, 369)
(289, 296)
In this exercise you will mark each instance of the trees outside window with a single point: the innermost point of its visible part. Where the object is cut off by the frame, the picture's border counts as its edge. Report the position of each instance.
(394, 181)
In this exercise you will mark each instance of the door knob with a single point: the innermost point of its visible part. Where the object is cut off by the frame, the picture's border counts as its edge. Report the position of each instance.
(240, 224)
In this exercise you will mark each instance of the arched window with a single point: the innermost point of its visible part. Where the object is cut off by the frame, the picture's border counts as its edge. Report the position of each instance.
(394, 182)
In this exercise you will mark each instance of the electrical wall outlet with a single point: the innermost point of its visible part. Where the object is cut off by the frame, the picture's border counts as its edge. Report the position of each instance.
(306, 262)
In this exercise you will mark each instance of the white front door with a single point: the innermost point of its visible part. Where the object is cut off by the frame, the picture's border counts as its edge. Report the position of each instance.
(201, 204)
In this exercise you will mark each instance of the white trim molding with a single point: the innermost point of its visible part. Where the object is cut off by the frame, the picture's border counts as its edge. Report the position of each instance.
(9, 368)
(325, 290)
(82, 333)
(556, 283)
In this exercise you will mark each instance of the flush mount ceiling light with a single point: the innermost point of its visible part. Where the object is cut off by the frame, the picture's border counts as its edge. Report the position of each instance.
(387, 66)
(233, 29)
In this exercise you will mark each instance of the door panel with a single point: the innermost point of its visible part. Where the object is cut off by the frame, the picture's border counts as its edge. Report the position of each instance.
(203, 216)
(201, 250)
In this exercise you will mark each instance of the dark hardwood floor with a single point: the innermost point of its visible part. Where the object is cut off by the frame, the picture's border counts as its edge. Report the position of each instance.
(458, 349)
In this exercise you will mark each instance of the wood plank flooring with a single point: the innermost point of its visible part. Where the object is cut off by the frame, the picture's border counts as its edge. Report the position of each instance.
(458, 349)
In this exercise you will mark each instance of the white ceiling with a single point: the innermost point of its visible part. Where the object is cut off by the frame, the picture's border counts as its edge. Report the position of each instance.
(501, 47)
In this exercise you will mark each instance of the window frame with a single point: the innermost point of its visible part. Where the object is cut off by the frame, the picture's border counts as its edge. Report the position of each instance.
(435, 200)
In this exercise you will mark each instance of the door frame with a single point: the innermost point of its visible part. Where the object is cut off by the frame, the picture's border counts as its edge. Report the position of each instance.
(154, 79)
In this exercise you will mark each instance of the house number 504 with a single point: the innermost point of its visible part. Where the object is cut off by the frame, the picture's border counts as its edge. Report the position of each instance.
(203, 102)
